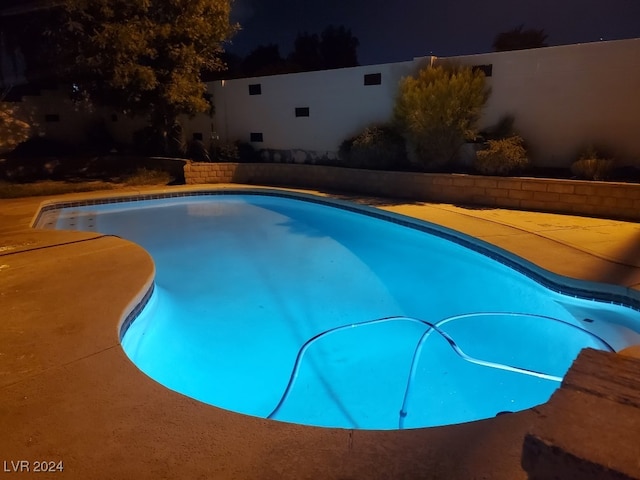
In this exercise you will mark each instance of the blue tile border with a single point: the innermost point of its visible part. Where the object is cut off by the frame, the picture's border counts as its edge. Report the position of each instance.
(611, 294)
(133, 314)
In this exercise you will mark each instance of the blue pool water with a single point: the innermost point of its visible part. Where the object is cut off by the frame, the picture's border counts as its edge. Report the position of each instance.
(300, 311)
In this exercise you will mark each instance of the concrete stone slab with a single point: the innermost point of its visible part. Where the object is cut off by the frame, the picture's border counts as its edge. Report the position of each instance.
(52, 317)
(105, 420)
(68, 392)
(534, 221)
(611, 243)
(452, 219)
(31, 240)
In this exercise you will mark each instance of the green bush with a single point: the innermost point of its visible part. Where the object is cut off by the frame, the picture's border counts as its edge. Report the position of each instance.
(223, 152)
(506, 156)
(238, 151)
(438, 111)
(591, 165)
(378, 147)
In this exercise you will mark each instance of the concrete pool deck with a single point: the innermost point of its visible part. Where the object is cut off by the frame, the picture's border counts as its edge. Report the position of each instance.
(69, 393)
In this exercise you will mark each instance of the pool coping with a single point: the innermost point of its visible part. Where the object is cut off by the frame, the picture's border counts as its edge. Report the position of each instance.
(125, 426)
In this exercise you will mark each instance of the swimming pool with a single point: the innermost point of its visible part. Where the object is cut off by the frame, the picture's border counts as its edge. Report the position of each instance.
(302, 309)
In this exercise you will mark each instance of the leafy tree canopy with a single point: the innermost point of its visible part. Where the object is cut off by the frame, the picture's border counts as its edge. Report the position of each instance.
(144, 56)
(306, 52)
(336, 47)
(519, 39)
(24, 45)
(264, 60)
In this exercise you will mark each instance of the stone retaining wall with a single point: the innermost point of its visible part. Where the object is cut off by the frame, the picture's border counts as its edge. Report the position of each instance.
(601, 199)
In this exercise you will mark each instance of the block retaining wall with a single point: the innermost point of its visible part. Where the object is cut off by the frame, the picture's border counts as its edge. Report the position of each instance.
(600, 199)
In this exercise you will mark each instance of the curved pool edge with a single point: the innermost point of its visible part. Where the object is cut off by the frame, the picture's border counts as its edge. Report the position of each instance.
(583, 289)
(110, 421)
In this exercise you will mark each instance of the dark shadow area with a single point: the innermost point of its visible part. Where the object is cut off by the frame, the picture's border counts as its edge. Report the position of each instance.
(622, 270)
(352, 196)
(367, 200)
(475, 207)
(65, 166)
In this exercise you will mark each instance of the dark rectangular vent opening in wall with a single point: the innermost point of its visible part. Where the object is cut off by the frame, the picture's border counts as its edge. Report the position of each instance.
(197, 136)
(52, 118)
(486, 69)
(256, 137)
(373, 79)
(255, 89)
(302, 112)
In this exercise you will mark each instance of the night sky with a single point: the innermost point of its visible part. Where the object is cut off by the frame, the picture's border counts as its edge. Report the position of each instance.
(398, 30)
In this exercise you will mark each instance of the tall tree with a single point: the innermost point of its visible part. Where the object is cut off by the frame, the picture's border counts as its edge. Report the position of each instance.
(338, 47)
(519, 39)
(24, 44)
(306, 53)
(144, 56)
(263, 60)
(233, 68)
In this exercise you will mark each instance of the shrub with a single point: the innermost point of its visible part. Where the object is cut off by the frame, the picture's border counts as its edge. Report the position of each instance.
(12, 129)
(377, 147)
(238, 151)
(438, 111)
(502, 157)
(591, 165)
(176, 143)
(196, 150)
(144, 176)
(503, 128)
(223, 152)
(246, 152)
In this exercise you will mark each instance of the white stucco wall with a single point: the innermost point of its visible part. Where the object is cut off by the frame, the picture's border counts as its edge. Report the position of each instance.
(566, 97)
(339, 103)
(563, 98)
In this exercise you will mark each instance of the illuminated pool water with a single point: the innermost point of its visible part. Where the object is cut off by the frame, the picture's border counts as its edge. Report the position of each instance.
(302, 310)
